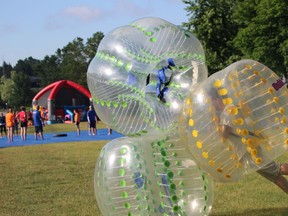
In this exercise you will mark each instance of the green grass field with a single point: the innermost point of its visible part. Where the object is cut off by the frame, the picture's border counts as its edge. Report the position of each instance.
(57, 179)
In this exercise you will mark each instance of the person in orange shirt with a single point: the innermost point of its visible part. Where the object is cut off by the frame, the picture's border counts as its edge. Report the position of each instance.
(77, 121)
(10, 124)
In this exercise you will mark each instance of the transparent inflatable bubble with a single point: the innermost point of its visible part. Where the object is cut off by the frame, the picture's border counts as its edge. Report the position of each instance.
(123, 75)
(235, 122)
(151, 176)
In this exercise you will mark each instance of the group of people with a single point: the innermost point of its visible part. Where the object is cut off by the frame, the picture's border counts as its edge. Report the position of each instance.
(9, 123)
(92, 122)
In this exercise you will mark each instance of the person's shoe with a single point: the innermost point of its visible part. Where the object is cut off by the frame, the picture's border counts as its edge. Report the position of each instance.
(161, 97)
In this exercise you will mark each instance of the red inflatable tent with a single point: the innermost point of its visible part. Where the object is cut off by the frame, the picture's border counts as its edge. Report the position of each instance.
(59, 94)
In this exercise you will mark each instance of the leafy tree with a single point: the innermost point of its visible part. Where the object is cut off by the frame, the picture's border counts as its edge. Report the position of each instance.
(5, 70)
(21, 93)
(213, 23)
(263, 35)
(73, 64)
(92, 45)
(27, 66)
(231, 30)
(6, 87)
(48, 70)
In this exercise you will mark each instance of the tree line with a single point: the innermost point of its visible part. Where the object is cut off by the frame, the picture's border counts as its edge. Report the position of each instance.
(19, 84)
(229, 30)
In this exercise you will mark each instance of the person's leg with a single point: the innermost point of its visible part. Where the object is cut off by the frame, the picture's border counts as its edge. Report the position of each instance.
(21, 133)
(10, 134)
(109, 131)
(36, 132)
(280, 180)
(25, 132)
(78, 129)
(89, 129)
(92, 126)
(282, 183)
(9, 131)
(274, 172)
(41, 132)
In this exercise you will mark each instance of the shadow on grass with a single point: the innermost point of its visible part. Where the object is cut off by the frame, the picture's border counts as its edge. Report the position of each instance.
(260, 212)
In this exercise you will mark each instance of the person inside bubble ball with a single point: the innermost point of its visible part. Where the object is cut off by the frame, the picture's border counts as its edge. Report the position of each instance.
(161, 80)
(273, 171)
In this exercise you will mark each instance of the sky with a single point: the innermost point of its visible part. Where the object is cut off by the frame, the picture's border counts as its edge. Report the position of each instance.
(38, 28)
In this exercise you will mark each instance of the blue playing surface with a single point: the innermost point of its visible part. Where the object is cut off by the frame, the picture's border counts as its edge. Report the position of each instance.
(52, 138)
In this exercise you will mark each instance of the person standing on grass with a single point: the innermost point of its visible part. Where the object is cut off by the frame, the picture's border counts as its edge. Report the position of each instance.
(92, 121)
(2, 125)
(10, 124)
(77, 121)
(23, 118)
(38, 124)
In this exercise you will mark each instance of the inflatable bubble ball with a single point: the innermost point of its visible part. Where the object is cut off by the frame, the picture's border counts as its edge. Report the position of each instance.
(141, 74)
(151, 176)
(235, 122)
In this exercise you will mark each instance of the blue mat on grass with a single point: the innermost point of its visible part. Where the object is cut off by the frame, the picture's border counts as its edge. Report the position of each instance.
(53, 138)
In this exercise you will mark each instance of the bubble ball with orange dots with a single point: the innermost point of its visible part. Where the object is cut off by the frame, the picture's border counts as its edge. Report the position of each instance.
(235, 122)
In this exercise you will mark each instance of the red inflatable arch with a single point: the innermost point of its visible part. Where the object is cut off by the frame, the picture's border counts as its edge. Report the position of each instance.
(59, 94)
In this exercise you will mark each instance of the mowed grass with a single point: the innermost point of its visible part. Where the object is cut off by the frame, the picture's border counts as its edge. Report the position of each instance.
(253, 195)
(57, 179)
(52, 179)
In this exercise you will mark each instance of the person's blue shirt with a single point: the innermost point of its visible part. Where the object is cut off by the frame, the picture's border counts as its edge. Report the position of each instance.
(161, 79)
(91, 116)
(37, 118)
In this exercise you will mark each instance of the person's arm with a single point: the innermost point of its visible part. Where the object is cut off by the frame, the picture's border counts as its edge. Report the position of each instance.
(88, 119)
(226, 131)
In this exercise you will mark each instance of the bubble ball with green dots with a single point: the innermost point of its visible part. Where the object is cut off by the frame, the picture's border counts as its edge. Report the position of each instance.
(122, 77)
(151, 176)
(251, 101)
